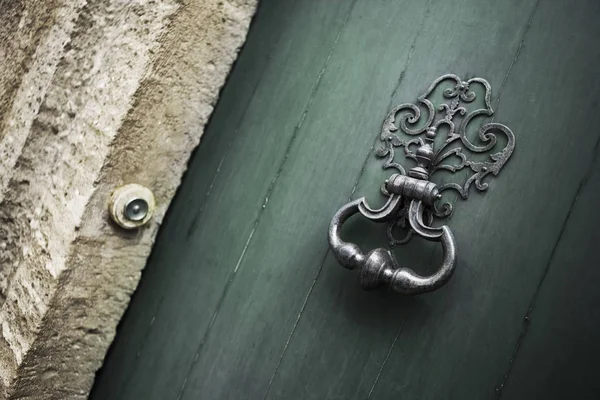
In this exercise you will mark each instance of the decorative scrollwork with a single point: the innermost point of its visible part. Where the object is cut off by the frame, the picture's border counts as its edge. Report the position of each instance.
(454, 116)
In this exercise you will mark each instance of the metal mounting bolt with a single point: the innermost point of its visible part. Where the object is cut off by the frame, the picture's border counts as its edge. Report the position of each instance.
(131, 206)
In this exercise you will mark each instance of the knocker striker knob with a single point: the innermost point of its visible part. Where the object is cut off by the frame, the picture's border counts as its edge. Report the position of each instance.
(379, 267)
(413, 197)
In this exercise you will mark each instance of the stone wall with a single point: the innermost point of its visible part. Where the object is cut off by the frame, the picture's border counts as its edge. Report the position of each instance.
(93, 95)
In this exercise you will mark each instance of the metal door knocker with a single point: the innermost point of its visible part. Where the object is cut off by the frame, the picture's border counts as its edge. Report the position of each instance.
(412, 198)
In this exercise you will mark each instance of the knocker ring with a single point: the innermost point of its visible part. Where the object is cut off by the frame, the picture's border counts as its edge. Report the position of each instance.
(412, 197)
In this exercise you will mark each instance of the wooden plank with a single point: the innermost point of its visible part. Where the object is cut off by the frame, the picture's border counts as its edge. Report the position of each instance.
(460, 346)
(285, 51)
(559, 351)
(344, 334)
(321, 167)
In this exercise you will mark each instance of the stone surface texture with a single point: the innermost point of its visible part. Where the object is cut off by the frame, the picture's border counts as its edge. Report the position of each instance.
(93, 95)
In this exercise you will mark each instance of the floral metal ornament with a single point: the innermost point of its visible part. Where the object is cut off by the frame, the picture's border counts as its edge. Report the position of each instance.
(413, 200)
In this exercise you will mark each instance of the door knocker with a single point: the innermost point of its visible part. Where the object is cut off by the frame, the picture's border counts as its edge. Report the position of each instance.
(412, 199)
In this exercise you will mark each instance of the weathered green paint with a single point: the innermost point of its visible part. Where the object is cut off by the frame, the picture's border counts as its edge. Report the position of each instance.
(241, 297)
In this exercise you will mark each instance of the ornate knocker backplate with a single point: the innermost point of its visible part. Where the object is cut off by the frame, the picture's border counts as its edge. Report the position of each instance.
(440, 140)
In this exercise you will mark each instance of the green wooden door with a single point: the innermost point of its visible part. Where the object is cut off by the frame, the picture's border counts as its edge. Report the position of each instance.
(242, 299)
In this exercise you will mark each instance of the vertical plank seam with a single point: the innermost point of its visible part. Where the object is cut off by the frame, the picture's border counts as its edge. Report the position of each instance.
(517, 54)
(289, 339)
(194, 223)
(270, 189)
(532, 303)
(387, 356)
(360, 174)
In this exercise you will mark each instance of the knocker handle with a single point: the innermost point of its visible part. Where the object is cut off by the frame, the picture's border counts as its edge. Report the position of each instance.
(379, 267)
(411, 193)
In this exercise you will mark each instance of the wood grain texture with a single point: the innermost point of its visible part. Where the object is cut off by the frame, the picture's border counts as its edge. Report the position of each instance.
(242, 299)
(335, 313)
(506, 237)
(288, 246)
(559, 351)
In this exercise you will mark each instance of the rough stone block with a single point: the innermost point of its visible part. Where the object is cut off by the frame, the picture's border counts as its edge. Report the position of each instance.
(93, 95)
